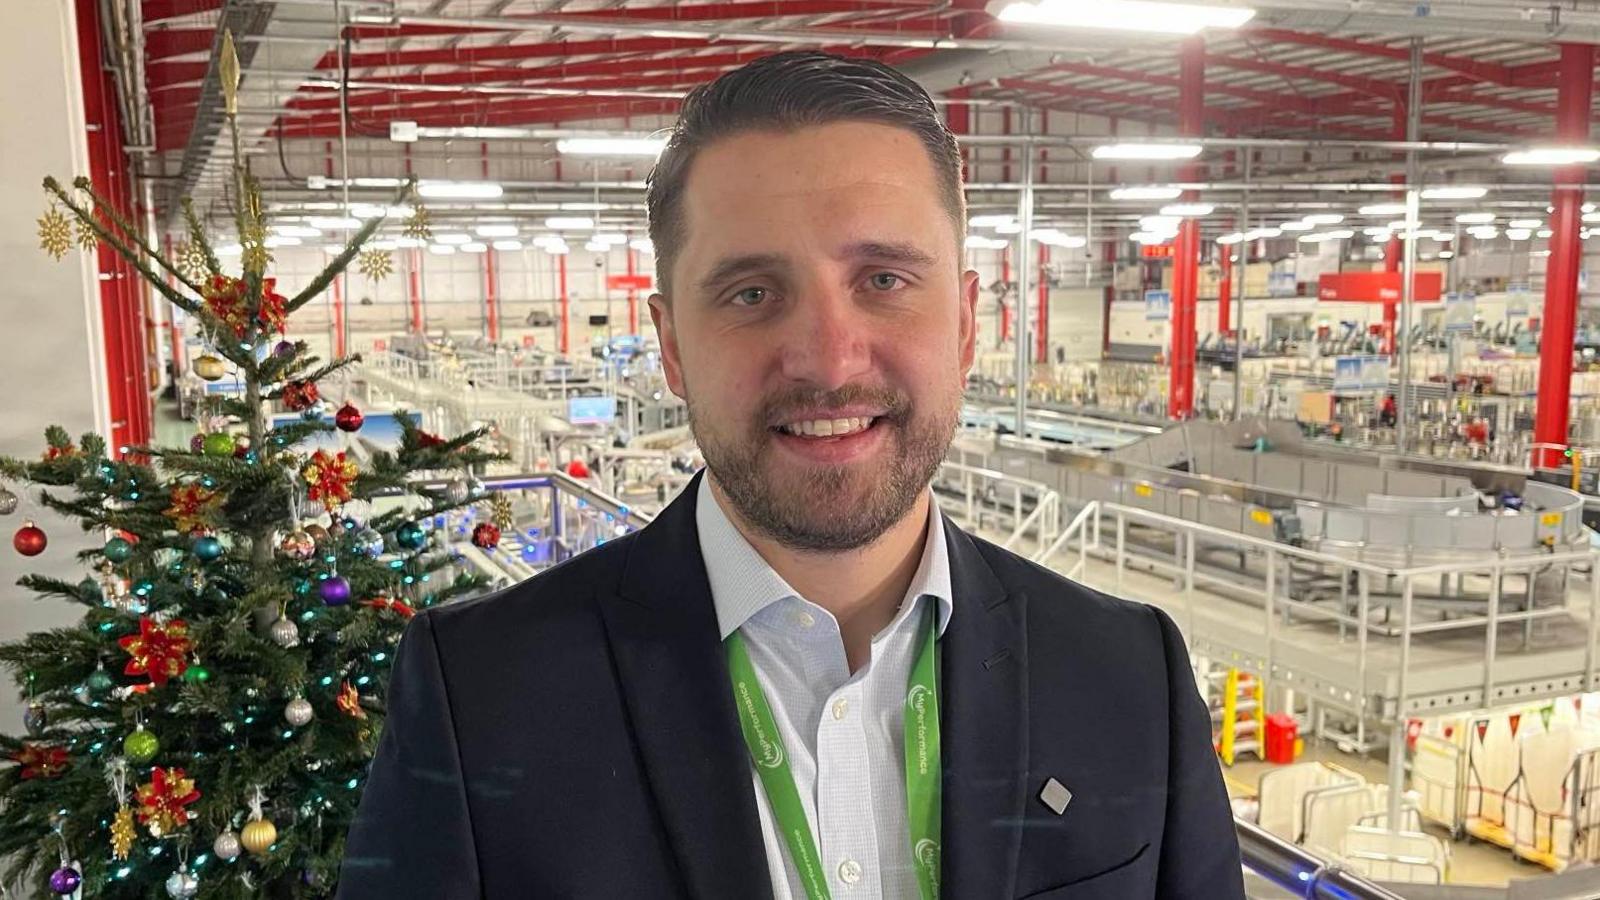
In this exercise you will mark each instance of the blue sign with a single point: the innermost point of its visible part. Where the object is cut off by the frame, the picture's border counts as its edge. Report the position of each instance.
(1360, 373)
(1157, 306)
(592, 410)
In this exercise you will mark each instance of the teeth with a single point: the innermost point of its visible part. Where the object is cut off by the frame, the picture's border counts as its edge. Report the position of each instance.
(828, 427)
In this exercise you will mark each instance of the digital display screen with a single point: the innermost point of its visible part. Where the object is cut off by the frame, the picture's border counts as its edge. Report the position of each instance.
(591, 410)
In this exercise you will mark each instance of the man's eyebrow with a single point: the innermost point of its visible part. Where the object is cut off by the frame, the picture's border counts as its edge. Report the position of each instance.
(888, 251)
(734, 266)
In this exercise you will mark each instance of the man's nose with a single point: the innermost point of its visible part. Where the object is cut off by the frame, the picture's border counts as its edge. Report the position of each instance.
(827, 340)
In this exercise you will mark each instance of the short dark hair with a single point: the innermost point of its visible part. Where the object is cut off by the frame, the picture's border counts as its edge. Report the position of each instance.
(786, 91)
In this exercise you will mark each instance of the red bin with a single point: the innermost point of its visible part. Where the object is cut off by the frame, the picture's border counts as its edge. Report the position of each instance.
(1283, 734)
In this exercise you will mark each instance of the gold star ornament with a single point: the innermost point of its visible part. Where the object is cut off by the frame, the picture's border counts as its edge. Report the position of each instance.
(55, 234)
(418, 225)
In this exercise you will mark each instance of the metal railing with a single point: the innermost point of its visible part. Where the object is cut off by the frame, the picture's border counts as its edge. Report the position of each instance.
(981, 490)
(1086, 521)
(1299, 871)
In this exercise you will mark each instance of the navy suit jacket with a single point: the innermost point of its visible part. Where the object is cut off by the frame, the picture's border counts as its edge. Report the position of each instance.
(575, 736)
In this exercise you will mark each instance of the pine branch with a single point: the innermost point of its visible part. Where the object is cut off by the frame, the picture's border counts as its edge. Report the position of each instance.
(123, 250)
(337, 265)
(45, 586)
(84, 184)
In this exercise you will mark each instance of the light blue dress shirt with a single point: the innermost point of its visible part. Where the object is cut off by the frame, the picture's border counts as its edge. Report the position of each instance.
(844, 733)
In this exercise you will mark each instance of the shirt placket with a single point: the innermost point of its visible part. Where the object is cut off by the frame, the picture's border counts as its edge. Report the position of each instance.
(849, 843)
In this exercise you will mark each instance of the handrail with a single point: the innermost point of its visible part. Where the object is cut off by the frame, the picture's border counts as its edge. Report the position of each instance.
(1087, 517)
(1299, 871)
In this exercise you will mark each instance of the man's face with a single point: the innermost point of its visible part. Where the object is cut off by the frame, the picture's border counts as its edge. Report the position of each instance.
(820, 327)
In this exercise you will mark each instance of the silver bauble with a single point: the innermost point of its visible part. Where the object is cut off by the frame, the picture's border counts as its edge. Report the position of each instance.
(227, 846)
(298, 712)
(8, 502)
(458, 490)
(34, 718)
(285, 633)
(369, 542)
(182, 885)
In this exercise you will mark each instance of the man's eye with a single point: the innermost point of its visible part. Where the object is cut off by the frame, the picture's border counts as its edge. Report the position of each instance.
(752, 296)
(885, 281)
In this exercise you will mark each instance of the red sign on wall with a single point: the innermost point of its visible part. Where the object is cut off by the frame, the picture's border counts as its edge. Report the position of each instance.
(1155, 251)
(1378, 287)
(628, 282)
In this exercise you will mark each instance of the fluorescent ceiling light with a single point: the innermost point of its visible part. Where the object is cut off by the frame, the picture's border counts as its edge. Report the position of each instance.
(1591, 217)
(474, 247)
(1160, 223)
(460, 190)
(1525, 223)
(334, 223)
(1126, 15)
(1447, 254)
(1008, 228)
(1454, 192)
(557, 249)
(441, 249)
(989, 221)
(1551, 156)
(979, 242)
(1149, 237)
(408, 242)
(1229, 239)
(1518, 234)
(611, 238)
(1443, 237)
(643, 245)
(507, 245)
(278, 240)
(228, 249)
(1187, 210)
(1150, 192)
(574, 223)
(1399, 225)
(495, 231)
(1323, 219)
(377, 182)
(1296, 226)
(1261, 233)
(1484, 232)
(452, 238)
(583, 206)
(1475, 218)
(1383, 209)
(1377, 232)
(1147, 151)
(611, 146)
(299, 231)
(1543, 233)
(596, 247)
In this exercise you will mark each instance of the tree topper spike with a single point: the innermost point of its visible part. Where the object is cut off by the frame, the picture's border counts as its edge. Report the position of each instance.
(228, 69)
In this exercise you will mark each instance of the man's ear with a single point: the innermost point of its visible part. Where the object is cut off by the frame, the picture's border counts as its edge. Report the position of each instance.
(969, 322)
(671, 362)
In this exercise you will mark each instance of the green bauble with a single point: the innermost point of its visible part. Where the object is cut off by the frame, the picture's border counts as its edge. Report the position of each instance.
(141, 746)
(99, 683)
(410, 536)
(196, 674)
(219, 443)
(118, 550)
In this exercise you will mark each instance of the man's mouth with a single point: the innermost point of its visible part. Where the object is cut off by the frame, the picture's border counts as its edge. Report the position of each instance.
(829, 428)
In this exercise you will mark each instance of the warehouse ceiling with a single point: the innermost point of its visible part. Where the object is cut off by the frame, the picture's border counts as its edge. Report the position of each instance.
(1326, 75)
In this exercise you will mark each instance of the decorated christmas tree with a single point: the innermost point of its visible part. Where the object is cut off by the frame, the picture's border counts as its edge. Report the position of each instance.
(205, 730)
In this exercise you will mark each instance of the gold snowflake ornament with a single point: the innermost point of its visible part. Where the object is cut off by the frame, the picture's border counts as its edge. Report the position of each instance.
(190, 259)
(376, 264)
(122, 832)
(87, 239)
(256, 257)
(500, 512)
(55, 234)
(418, 225)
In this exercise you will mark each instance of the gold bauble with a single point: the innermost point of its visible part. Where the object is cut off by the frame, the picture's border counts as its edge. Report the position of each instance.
(259, 836)
(209, 367)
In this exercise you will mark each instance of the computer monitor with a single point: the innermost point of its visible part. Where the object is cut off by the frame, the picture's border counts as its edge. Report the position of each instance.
(592, 410)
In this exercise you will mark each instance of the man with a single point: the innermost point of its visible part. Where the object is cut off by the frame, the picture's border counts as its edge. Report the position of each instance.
(800, 680)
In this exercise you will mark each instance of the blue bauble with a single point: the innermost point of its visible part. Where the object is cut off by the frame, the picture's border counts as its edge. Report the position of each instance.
(207, 548)
(410, 536)
(335, 591)
(118, 550)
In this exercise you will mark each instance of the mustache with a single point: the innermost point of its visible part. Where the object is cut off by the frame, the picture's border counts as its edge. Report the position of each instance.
(895, 404)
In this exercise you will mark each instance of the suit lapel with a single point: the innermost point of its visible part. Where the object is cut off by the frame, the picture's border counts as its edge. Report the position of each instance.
(674, 680)
(984, 708)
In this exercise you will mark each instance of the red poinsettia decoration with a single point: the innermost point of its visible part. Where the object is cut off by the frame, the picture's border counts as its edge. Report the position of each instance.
(486, 535)
(329, 477)
(41, 761)
(162, 801)
(349, 701)
(193, 507)
(225, 299)
(426, 440)
(158, 651)
(54, 452)
(300, 395)
(398, 607)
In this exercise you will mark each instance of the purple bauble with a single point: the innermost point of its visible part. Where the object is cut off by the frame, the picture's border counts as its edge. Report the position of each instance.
(335, 591)
(197, 443)
(65, 880)
(284, 348)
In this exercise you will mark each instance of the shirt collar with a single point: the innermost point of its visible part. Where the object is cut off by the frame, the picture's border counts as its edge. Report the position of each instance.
(743, 584)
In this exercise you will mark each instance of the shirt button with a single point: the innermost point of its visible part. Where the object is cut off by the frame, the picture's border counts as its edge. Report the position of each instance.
(804, 619)
(849, 871)
(840, 707)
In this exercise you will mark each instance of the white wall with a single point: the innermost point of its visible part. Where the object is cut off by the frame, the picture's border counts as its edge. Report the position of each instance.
(51, 364)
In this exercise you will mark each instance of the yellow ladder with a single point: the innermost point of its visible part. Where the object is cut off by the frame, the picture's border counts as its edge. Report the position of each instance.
(1243, 714)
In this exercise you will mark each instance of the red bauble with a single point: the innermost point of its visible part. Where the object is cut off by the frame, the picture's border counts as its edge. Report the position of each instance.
(348, 418)
(30, 540)
(486, 536)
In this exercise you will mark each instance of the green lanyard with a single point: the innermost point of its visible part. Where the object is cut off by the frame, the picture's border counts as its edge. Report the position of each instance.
(923, 788)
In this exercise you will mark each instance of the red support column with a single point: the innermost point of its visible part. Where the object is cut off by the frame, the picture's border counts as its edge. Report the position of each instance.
(1186, 256)
(414, 286)
(561, 270)
(633, 295)
(1041, 328)
(338, 317)
(958, 117)
(491, 296)
(1575, 88)
(1393, 248)
(1005, 311)
(1225, 290)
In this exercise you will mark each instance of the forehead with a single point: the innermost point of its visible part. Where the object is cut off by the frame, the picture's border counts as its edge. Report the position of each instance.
(764, 191)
